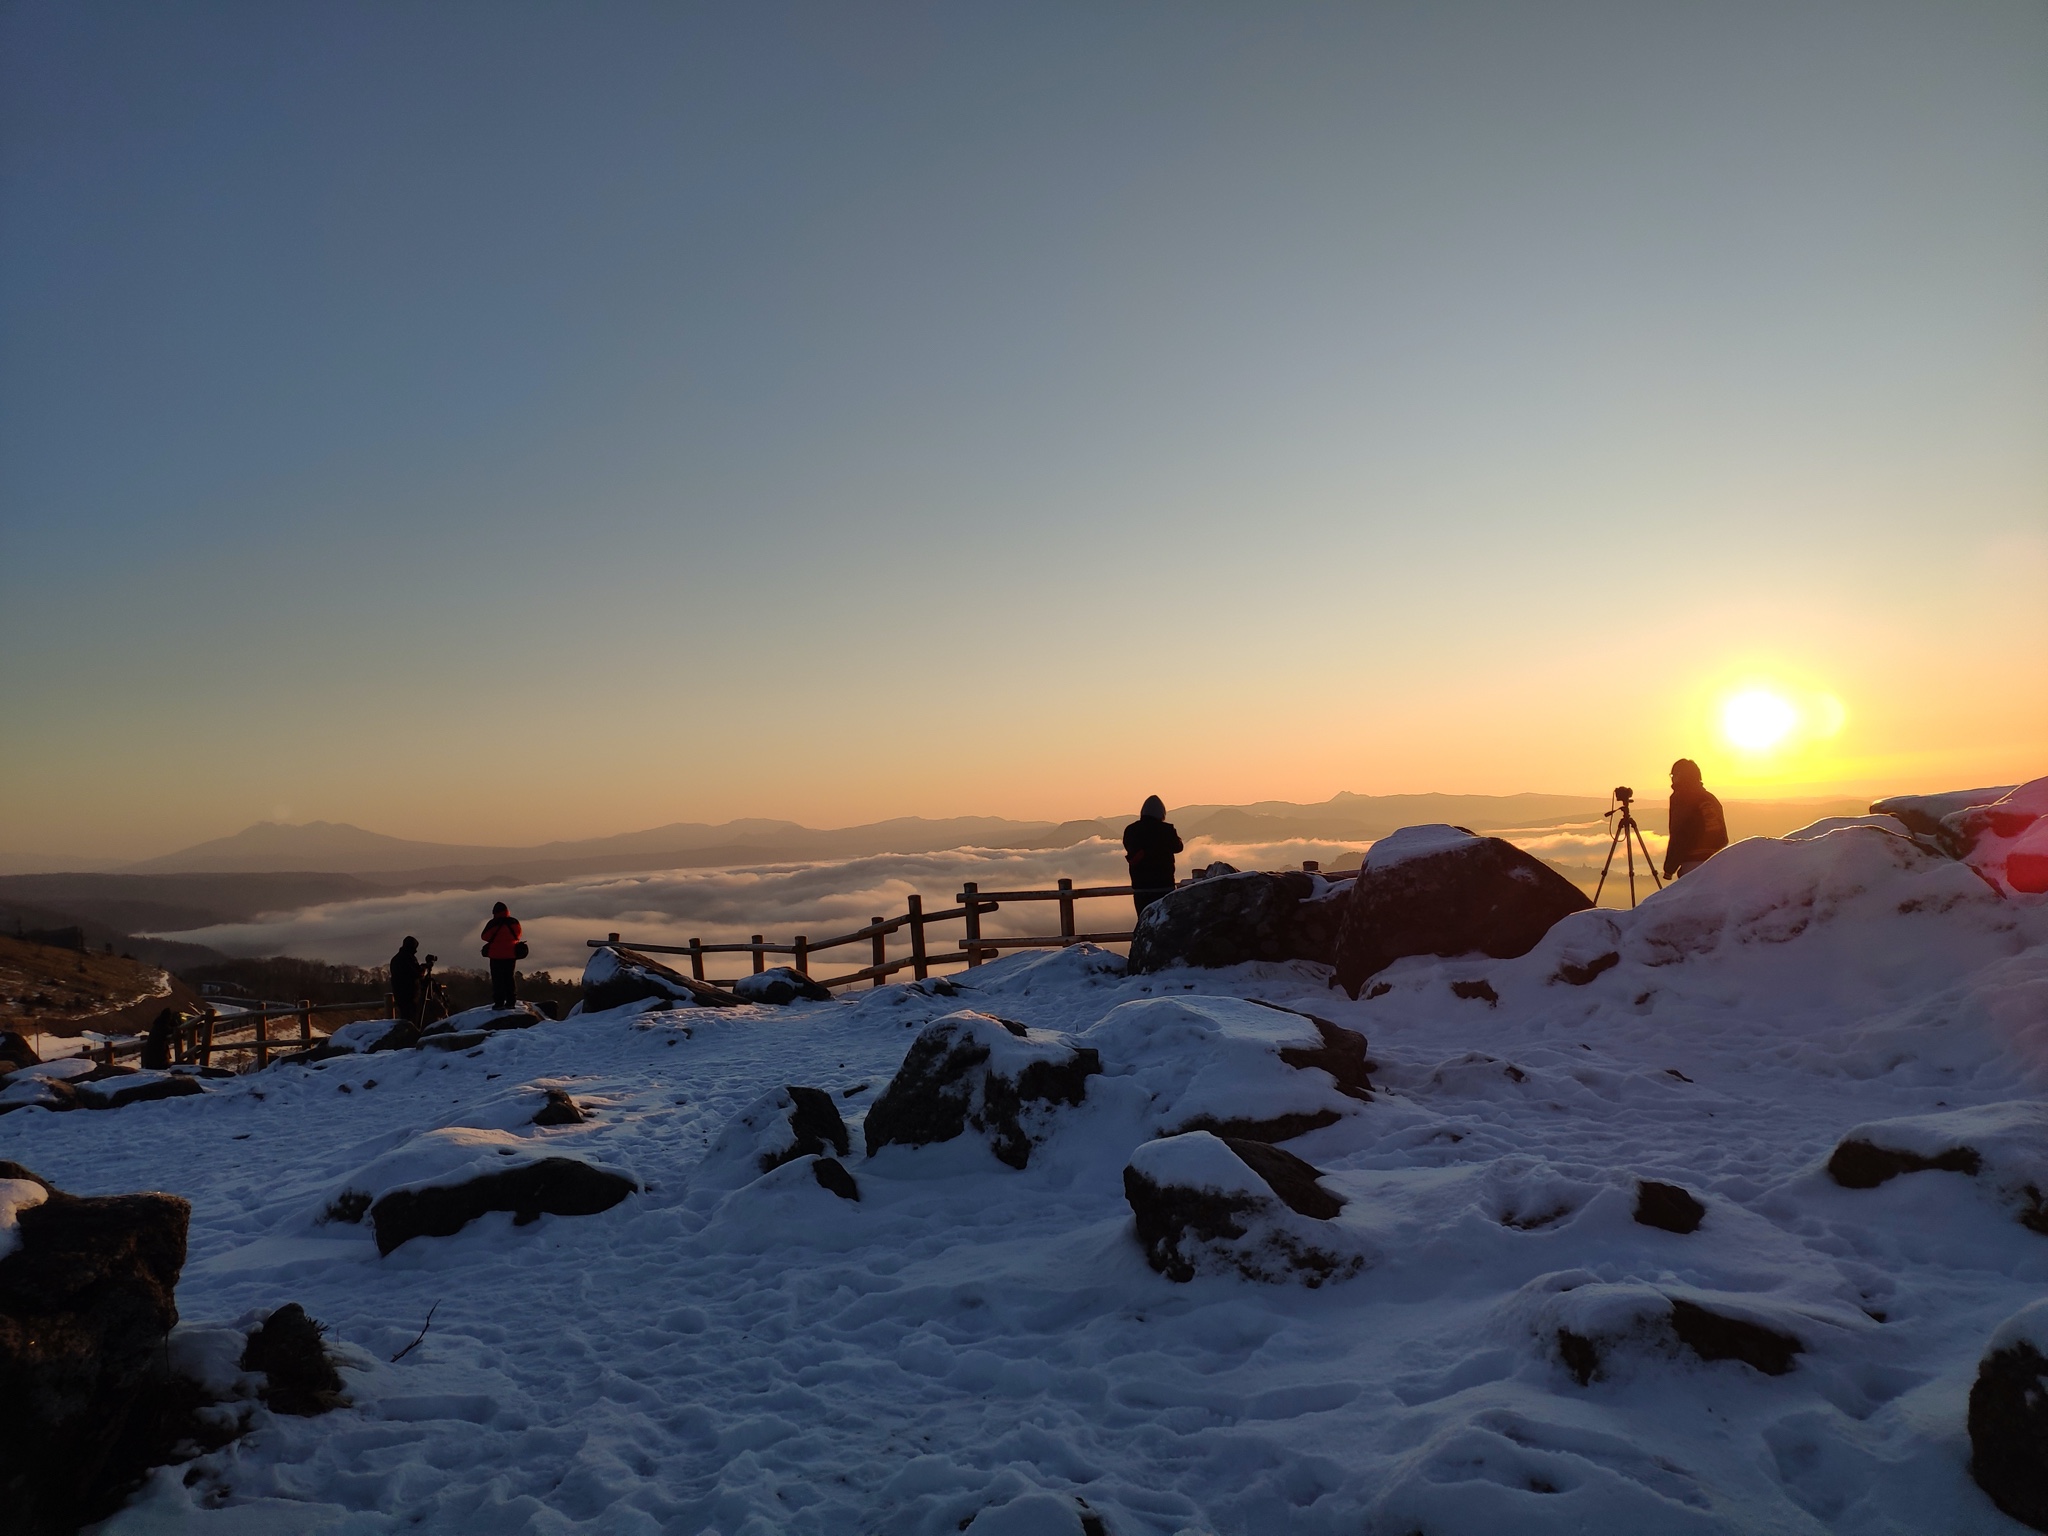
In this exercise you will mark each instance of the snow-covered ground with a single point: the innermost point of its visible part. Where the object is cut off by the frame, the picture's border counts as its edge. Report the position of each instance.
(976, 1346)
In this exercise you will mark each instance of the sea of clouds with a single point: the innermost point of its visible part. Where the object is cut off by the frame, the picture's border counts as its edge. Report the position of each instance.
(779, 900)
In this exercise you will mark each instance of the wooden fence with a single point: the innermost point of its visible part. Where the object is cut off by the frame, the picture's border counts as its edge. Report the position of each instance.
(973, 946)
(245, 1037)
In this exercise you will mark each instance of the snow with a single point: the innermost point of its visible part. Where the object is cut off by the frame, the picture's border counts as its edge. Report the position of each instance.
(361, 1034)
(1198, 1160)
(2029, 1325)
(62, 1070)
(974, 1345)
(1415, 843)
(16, 1196)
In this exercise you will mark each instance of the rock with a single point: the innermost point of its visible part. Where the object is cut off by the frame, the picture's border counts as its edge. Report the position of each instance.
(831, 1174)
(1227, 919)
(1440, 890)
(560, 1109)
(1205, 1204)
(779, 984)
(1924, 814)
(779, 1127)
(616, 976)
(1859, 1164)
(87, 1298)
(2009, 1418)
(15, 1052)
(1577, 975)
(1667, 1206)
(1233, 1066)
(484, 1021)
(287, 1349)
(1480, 991)
(1589, 1324)
(552, 1186)
(1992, 838)
(135, 1088)
(466, 1040)
(969, 1070)
(1717, 1336)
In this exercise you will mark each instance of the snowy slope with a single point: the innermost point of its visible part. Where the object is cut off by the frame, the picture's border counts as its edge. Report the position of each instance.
(971, 1342)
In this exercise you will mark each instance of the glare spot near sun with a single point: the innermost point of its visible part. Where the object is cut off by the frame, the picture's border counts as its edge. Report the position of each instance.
(1757, 719)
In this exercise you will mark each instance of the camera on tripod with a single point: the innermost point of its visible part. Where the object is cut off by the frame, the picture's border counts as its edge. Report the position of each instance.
(1627, 837)
(1623, 793)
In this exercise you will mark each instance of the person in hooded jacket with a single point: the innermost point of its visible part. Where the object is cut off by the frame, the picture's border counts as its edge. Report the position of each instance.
(1698, 829)
(1150, 843)
(406, 971)
(503, 949)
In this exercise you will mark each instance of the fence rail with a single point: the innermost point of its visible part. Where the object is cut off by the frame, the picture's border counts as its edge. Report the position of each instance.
(973, 946)
(244, 1035)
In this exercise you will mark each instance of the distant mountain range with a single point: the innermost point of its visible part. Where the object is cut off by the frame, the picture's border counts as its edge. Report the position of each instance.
(272, 867)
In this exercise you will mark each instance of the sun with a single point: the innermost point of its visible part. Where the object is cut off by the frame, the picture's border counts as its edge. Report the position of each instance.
(1757, 720)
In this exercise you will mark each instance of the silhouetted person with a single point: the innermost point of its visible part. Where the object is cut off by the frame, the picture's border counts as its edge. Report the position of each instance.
(406, 971)
(161, 1043)
(1149, 846)
(1698, 829)
(503, 949)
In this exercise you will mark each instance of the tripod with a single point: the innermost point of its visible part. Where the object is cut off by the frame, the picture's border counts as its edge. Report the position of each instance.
(1628, 837)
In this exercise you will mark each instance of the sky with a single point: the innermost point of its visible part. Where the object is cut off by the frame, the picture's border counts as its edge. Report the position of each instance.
(501, 422)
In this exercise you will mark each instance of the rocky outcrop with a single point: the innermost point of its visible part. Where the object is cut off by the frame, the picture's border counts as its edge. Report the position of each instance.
(1440, 890)
(1207, 1204)
(299, 1378)
(1924, 815)
(2009, 1418)
(87, 1298)
(780, 985)
(615, 977)
(1227, 919)
(1668, 1207)
(970, 1071)
(551, 1186)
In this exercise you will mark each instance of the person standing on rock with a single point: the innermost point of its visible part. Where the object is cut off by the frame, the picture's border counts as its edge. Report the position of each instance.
(406, 971)
(1698, 829)
(1150, 843)
(503, 949)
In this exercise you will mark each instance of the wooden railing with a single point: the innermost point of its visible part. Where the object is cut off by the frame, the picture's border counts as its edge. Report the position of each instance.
(974, 947)
(245, 1034)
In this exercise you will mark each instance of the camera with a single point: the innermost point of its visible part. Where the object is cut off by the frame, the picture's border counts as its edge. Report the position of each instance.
(432, 958)
(1623, 793)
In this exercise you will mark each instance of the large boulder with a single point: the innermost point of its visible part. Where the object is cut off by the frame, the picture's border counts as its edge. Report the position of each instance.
(87, 1298)
(2009, 1418)
(615, 976)
(1221, 1205)
(1229, 918)
(970, 1071)
(1441, 890)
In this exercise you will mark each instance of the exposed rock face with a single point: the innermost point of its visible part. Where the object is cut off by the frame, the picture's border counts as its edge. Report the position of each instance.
(2009, 1419)
(968, 1070)
(1667, 1206)
(780, 985)
(1205, 1204)
(552, 1186)
(287, 1349)
(1441, 890)
(1228, 919)
(86, 1300)
(614, 977)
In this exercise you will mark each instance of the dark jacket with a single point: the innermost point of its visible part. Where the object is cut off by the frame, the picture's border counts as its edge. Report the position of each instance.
(1698, 829)
(405, 972)
(1151, 845)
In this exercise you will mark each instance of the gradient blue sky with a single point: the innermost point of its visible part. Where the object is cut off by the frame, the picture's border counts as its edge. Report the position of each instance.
(505, 421)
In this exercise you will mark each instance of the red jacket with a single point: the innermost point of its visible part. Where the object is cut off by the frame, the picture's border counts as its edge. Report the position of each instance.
(501, 938)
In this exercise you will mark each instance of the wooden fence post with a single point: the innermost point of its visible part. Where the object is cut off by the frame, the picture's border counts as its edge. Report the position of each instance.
(697, 959)
(881, 950)
(760, 961)
(390, 1005)
(802, 957)
(916, 916)
(206, 1038)
(1067, 910)
(305, 1021)
(262, 1040)
(967, 896)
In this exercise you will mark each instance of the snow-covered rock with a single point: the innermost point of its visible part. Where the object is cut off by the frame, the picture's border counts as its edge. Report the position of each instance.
(365, 1035)
(614, 977)
(299, 1377)
(138, 1087)
(486, 1020)
(969, 1071)
(1217, 1205)
(1988, 838)
(1924, 814)
(1441, 890)
(1227, 919)
(779, 985)
(2004, 1146)
(2009, 1417)
(1233, 1067)
(783, 1124)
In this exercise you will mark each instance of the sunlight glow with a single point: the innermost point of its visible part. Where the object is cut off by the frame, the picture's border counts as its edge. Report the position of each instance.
(1757, 720)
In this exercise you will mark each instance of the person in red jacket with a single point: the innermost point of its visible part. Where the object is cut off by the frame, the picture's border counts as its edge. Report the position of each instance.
(503, 949)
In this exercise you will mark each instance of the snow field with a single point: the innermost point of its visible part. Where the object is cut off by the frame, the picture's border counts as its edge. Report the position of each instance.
(975, 1343)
